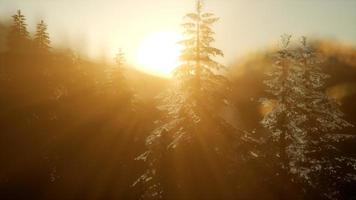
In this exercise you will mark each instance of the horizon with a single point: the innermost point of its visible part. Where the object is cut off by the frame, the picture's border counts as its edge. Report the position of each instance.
(100, 35)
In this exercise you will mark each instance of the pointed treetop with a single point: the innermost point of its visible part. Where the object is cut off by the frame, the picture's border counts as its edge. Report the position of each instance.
(285, 38)
(303, 40)
(18, 36)
(19, 13)
(42, 39)
(19, 18)
(120, 58)
(199, 5)
(41, 26)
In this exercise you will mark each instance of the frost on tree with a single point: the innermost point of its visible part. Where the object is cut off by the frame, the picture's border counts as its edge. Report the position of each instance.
(284, 120)
(191, 105)
(304, 120)
(323, 120)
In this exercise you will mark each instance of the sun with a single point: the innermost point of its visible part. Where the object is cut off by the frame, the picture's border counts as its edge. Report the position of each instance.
(159, 53)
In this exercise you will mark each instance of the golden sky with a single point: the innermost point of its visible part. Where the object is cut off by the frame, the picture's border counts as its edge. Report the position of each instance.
(98, 28)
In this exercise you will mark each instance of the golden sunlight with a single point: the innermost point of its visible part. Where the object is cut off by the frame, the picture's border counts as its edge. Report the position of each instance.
(159, 53)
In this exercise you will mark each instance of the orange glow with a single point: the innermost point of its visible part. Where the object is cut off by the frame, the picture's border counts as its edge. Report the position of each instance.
(159, 53)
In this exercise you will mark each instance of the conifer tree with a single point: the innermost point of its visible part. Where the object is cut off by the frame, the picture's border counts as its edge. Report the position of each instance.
(286, 117)
(120, 59)
(303, 116)
(323, 119)
(117, 82)
(18, 39)
(117, 76)
(191, 106)
(41, 39)
(199, 88)
(116, 73)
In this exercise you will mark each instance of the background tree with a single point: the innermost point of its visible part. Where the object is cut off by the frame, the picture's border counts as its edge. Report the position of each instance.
(18, 38)
(285, 117)
(117, 73)
(303, 116)
(47, 98)
(319, 156)
(41, 40)
(117, 81)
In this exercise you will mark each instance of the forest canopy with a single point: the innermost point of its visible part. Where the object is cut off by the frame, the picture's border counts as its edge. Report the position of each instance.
(276, 124)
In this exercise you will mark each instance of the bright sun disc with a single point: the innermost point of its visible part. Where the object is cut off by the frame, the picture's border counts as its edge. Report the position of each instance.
(159, 53)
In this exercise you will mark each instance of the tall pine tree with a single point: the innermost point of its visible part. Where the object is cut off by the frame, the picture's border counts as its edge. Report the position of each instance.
(192, 124)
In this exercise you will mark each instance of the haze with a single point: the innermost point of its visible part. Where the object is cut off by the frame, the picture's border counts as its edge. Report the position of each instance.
(99, 28)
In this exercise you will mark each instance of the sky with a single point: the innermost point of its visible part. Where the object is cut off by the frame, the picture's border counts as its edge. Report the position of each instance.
(98, 28)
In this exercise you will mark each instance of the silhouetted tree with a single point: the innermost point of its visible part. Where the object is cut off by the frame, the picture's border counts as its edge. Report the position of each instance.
(117, 75)
(44, 101)
(42, 41)
(18, 39)
(117, 81)
(120, 58)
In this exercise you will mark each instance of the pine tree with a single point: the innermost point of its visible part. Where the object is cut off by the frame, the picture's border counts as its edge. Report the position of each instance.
(323, 119)
(117, 76)
(284, 119)
(191, 107)
(199, 89)
(117, 79)
(303, 116)
(42, 40)
(18, 39)
(281, 120)
(120, 59)
(117, 82)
